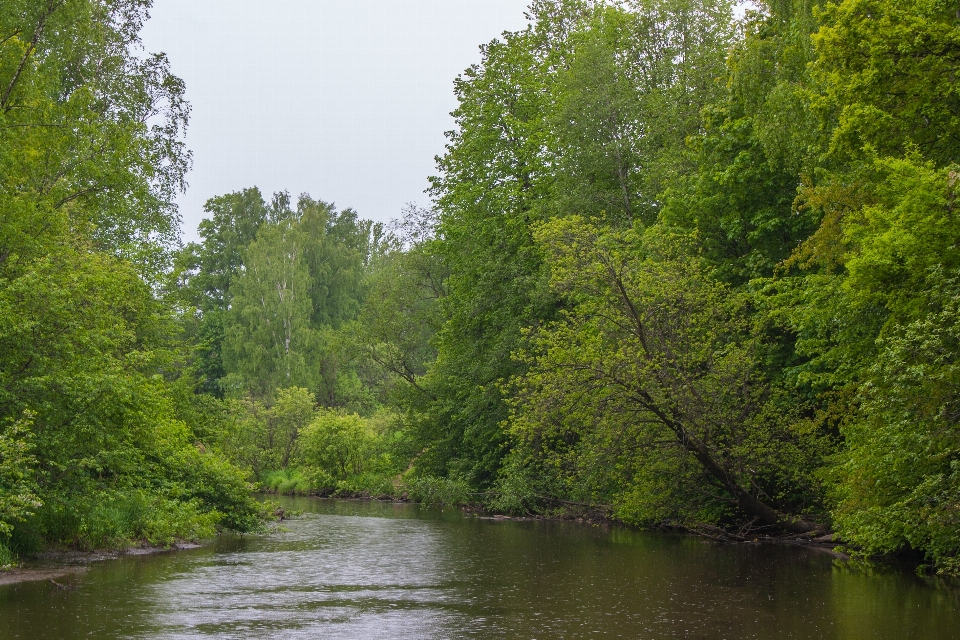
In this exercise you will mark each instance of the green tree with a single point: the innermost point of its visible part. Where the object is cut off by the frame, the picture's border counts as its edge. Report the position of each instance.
(89, 133)
(18, 499)
(90, 157)
(898, 478)
(269, 340)
(653, 373)
(585, 111)
(204, 272)
(338, 443)
(887, 71)
(402, 311)
(626, 100)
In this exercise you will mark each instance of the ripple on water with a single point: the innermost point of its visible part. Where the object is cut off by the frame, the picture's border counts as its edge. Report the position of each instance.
(370, 571)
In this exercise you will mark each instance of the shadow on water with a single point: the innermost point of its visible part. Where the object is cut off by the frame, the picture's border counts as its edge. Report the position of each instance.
(350, 569)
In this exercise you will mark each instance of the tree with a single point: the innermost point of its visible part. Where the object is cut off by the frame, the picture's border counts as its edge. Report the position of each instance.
(568, 116)
(89, 133)
(337, 443)
(204, 272)
(887, 70)
(653, 371)
(626, 100)
(90, 158)
(269, 340)
(402, 314)
(897, 482)
(18, 499)
(491, 177)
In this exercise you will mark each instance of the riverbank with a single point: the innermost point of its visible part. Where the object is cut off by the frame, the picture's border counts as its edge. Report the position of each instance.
(594, 516)
(53, 564)
(371, 570)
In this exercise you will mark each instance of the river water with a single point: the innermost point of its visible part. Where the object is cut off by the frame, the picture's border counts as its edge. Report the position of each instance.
(370, 570)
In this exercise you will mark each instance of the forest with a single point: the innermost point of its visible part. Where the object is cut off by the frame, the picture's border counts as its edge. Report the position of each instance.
(685, 264)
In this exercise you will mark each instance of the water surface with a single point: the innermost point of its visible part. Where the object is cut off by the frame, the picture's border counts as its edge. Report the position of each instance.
(371, 570)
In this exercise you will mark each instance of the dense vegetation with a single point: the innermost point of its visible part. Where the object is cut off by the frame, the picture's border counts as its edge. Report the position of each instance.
(681, 268)
(93, 451)
(703, 272)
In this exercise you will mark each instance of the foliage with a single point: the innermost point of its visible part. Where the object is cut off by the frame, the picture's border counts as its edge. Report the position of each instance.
(91, 156)
(17, 468)
(338, 443)
(897, 481)
(434, 490)
(565, 117)
(677, 267)
(353, 455)
(292, 482)
(89, 133)
(653, 372)
(696, 280)
(887, 71)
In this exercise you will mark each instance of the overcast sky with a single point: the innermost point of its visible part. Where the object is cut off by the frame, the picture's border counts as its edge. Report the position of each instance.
(344, 99)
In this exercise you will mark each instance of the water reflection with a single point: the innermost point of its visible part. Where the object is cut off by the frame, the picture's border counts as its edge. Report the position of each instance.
(370, 570)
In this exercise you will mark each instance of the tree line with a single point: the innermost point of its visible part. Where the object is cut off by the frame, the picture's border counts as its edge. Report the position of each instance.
(702, 271)
(685, 268)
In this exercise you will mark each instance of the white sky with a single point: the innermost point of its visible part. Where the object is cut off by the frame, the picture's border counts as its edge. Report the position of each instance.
(344, 99)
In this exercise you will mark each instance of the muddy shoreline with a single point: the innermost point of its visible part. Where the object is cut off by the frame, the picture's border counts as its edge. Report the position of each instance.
(53, 565)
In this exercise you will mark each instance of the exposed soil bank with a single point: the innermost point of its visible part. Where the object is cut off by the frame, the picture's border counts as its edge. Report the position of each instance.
(32, 574)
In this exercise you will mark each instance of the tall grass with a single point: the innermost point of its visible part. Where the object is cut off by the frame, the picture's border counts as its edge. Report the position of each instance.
(8, 559)
(288, 482)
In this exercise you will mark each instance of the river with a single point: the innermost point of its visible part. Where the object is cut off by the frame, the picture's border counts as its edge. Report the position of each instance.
(369, 570)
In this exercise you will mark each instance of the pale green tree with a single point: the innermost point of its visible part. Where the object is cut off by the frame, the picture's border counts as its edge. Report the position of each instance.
(269, 340)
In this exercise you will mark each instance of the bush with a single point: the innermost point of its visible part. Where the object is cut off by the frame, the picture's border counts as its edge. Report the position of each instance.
(218, 486)
(116, 521)
(339, 443)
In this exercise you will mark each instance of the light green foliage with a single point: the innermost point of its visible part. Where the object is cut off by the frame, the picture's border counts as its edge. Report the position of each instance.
(350, 455)
(89, 133)
(294, 447)
(870, 296)
(292, 411)
(434, 490)
(293, 482)
(898, 479)
(885, 328)
(114, 519)
(338, 443)
(83, 344)
(888, 69)
(17, 476)
(269, 296)
(204, 272)
(210, 266)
